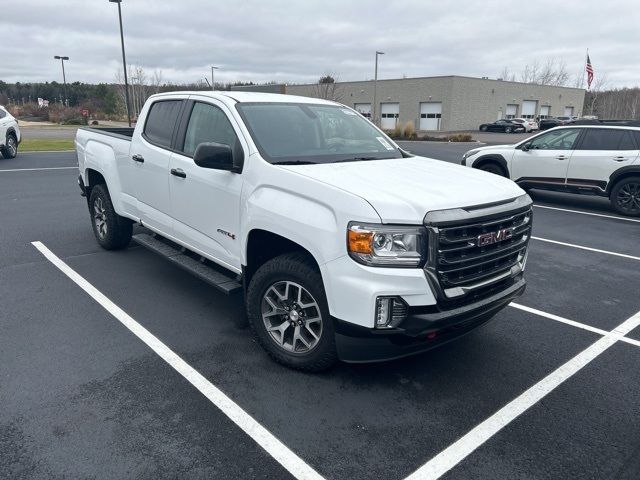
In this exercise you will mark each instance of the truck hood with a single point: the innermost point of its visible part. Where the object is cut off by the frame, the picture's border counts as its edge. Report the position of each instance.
(403, 190)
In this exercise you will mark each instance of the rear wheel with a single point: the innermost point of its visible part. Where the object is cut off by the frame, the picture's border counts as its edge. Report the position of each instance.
(112, 231)
(625, 196)
(507, 130)
(288, 313)
(10, 149)
(493, 168)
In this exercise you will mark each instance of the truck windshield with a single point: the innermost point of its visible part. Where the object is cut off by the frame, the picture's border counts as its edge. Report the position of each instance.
(299, 133)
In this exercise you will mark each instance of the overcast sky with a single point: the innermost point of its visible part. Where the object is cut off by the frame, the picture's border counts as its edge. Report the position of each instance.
(300, 40)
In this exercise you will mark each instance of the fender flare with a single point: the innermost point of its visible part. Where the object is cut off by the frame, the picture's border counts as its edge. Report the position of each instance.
(492, 158)
(629, 170)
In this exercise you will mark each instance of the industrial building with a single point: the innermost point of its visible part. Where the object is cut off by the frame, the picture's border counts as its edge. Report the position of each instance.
(444, 103)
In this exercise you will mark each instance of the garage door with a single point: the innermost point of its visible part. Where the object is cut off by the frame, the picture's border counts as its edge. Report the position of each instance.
(512, 111)
(363, 109)
(568, 111)
(389, 113)
(430, 115)
(529, 108)
(545, 111)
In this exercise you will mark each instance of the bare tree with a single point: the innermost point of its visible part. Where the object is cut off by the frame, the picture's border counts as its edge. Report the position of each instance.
(140, 87)
(507, 75)
(591, 101)
(551, 72)
(328, 89)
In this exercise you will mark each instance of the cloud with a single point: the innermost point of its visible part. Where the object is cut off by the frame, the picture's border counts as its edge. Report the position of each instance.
(298, 41)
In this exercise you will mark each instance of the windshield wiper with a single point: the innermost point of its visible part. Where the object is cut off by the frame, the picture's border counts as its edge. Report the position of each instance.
(295, 162)
(357, 159)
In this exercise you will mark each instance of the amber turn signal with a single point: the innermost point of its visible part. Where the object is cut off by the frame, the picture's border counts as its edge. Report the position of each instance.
(360, 242)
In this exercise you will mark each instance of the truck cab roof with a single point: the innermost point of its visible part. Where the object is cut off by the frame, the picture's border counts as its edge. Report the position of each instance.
(242, 97)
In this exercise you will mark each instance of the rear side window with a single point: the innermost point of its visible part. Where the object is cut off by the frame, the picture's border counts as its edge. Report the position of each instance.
(2, 113)
(161, 121)
(607, 139)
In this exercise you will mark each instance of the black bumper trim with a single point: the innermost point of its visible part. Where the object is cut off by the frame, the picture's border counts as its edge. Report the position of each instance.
(423, 331)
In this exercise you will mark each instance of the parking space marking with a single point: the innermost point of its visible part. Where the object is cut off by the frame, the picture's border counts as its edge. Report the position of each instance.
(597, 250)
(573, 323)
(36, 169)
(464, 446)
(274, 447)
(588, 213)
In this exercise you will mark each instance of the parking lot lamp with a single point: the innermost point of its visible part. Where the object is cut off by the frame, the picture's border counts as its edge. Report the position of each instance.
(124, 62)
(375, 88)
(64, 78)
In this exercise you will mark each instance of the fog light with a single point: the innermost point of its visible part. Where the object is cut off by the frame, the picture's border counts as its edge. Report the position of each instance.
(390, 312)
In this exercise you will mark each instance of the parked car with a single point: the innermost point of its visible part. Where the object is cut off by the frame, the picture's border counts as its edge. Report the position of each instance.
(590, 159)
(547, 123)
(506, 126)
(9, 134)
(344, 245)
(530, 125)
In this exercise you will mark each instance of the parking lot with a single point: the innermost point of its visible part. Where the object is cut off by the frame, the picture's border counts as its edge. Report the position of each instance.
(119, 365)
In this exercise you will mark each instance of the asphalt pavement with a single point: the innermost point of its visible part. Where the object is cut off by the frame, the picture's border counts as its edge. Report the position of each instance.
(83, 397)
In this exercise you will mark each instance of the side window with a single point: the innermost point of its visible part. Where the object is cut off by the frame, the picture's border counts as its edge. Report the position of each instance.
(161, 121)
(607, 139)
(2, 113)
(563, 139)
(208, 124)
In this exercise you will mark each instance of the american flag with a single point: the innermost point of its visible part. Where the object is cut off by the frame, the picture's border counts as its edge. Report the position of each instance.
(589, 72)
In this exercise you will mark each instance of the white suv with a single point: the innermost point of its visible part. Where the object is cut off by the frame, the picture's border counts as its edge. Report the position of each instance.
(590, 159)
(9, 134)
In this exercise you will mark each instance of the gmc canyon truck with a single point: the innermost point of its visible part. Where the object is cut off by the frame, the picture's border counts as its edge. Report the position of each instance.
(345, 246)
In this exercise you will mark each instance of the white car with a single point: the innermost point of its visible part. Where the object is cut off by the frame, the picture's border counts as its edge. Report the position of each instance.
(589, 159)
(9, 134)
(344, 245)
(529, 124)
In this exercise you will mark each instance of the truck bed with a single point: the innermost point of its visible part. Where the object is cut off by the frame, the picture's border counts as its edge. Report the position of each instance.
(124, 133)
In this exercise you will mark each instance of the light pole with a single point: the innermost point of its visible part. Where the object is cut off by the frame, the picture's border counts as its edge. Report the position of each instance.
(375, 90)
(64, 78)
(124, 62)
(213, 85)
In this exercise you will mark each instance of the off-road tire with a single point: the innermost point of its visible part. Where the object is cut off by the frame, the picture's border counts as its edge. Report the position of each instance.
(626, 188)
(117, 233)
(298, 268)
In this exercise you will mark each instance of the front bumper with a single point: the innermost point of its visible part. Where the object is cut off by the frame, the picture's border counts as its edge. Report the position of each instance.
(425, 328)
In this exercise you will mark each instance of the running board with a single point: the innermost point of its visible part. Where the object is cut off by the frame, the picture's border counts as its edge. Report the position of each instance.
(204, 269)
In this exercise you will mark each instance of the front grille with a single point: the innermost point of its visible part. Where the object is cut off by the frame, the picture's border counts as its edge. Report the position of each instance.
(461, 264)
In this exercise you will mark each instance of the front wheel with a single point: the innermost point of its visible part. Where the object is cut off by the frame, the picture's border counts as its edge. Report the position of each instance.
(112, 231)
(625, 196)
(484, 128)
(10, 149)
(288, 312)
(507, 130)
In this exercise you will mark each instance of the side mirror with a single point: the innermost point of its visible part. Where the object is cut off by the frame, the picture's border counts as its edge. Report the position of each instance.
(216, 156)
(525, 147)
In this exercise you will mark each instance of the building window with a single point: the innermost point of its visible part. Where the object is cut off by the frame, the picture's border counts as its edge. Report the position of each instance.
(430, 115)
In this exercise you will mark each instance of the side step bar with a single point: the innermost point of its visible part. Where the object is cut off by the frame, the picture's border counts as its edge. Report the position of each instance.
(205, 270)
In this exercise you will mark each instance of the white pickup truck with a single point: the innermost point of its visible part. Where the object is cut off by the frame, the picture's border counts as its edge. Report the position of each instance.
(344, 245)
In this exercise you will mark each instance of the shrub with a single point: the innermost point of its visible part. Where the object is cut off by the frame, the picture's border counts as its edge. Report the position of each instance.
(409, 132)
(460, 137)
(397, 132)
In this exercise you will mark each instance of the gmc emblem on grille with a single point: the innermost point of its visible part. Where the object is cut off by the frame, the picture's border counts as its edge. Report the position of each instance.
(494, 237)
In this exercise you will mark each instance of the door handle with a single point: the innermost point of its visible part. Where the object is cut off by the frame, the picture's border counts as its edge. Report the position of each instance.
(562, 157)
(138, 158)
(178, 172)
(620, 159)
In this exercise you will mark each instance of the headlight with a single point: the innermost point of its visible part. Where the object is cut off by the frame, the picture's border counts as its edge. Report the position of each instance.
(470, 153)
(386, 245)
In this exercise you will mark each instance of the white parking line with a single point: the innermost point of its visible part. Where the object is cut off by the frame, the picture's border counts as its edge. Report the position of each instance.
(589, 213)
(36, 169)
(573, 323)
(274, 447)
(624, 255)
(463, 447)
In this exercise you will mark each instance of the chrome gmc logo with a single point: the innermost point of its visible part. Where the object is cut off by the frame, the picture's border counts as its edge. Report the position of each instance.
(494, 237)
